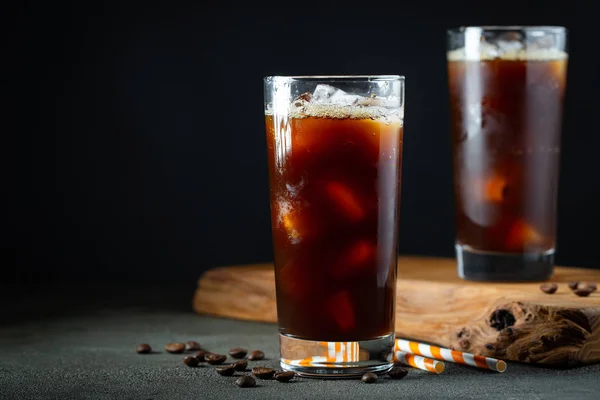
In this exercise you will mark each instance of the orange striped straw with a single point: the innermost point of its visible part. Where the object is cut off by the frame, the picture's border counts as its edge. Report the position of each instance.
(426, 364)
(333, 352)
(454, 356)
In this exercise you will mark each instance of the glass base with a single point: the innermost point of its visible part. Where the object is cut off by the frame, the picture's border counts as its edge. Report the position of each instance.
(476, 265)
(336, 359)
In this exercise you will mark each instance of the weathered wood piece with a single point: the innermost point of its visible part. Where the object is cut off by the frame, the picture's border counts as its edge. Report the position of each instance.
(512, 321)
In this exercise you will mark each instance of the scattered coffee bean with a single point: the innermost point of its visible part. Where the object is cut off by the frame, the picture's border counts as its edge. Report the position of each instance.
(175, 348)
(238, 352)
(549, 288)
(240, 365)
(192, 346)
(143, 348)
(369, 377)
(214, 359)
(256, 355)
(200, 355)
(284, 376)
(584, 292)
(245, 381)
(263, 372)
(191, 361)
(573, 285)
(397, 373)
(587, 285)
(227, 370)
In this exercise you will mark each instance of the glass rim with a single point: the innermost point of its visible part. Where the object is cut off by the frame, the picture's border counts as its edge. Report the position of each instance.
(509, 28)
(335, 78)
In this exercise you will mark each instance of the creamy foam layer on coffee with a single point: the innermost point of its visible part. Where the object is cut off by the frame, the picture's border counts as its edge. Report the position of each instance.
(345, 112)
(490, 52)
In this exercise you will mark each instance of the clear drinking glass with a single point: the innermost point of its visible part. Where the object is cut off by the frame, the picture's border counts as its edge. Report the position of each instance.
(335, 153)
(507, 86)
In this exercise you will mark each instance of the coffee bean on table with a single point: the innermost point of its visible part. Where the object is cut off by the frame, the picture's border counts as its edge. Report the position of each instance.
(587, 285)
(238, 352)
(240, 365)
(192, 345)
(143, 348)
(215, 359)
(263, 372)
(583, 292)
(284, 376)
(256, 355)
(226, 370)
(175, 348)
(200, 355)
(573, 285)
(245, 381)
(191, 361)
(369, 377)
(397, 373)
(549, 288)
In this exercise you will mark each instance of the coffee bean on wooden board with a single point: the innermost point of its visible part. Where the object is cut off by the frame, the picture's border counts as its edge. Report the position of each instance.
(256, 355)
(215, 359)
(397, 373)
(143, 348)
(245, 381)
(573, 285)
(240, 365)
(191, 361)
(369, 377)
(584, 292)
(587, 285)
(549, 288)
(238, 352)
(284, 376)
(263, 372)
(226, 370)
(175, 348)
(192, 345)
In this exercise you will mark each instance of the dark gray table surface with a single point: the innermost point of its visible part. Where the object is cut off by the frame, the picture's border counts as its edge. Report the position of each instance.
(85, 349)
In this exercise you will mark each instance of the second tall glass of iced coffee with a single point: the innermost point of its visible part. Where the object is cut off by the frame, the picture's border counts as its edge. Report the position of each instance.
(507, 86)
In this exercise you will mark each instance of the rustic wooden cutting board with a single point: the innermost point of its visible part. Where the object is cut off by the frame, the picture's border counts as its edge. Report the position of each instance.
(511, 321)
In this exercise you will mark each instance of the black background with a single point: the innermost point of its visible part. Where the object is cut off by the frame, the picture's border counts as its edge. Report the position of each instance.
(134, 144)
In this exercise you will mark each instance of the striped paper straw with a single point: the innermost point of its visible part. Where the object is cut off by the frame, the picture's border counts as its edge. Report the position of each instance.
(426, 364)
(454, 356)
(334, 352)
(341, 351)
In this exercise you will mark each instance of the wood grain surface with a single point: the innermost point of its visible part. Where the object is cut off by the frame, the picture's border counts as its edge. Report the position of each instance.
(512, 321)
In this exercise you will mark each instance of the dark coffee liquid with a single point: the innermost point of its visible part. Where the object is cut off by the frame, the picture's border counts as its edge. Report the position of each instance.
(334, 215)
(506, 123)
